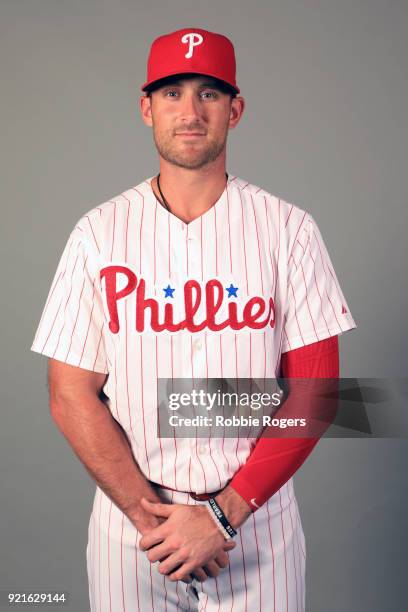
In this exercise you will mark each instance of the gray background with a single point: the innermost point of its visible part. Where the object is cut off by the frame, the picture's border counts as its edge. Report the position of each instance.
(326, 90)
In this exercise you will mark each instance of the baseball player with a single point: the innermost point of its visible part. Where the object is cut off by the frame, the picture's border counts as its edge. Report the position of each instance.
(192, 273)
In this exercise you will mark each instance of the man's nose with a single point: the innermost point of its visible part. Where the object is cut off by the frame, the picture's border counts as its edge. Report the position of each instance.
(190, 106)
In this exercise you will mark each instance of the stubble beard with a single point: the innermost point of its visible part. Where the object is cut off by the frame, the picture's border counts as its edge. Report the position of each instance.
(190, 157)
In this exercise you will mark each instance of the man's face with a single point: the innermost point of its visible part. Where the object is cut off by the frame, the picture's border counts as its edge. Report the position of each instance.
(190, 119)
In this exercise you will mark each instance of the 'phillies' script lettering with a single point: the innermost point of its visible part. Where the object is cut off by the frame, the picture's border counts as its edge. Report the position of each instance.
(214, 295)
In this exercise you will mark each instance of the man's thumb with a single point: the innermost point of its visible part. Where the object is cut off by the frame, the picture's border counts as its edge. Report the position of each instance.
(229, 545)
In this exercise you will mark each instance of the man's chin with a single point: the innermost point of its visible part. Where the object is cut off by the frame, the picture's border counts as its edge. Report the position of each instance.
(188, 163)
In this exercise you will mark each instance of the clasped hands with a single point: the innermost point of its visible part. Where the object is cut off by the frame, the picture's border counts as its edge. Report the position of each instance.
(187, 543)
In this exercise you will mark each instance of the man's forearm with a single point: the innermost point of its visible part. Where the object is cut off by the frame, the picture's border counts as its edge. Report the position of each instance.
(103, 448)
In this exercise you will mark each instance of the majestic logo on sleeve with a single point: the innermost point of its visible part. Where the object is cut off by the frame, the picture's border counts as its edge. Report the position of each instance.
(211, 307)
(193, 39)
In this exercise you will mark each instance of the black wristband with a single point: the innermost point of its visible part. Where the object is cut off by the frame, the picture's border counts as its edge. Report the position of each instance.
(221, 517)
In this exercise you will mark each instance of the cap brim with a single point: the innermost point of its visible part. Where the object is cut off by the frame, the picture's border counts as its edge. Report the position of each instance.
(149, 84)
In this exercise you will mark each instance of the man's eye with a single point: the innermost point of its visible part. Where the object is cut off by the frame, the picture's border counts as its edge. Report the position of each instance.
(209, 93)
(172, 91)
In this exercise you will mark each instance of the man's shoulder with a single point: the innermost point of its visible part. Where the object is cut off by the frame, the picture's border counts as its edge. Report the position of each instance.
(284, 208)
(102, 212)
(95, 222)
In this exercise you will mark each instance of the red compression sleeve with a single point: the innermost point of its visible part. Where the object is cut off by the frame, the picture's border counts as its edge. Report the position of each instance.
(274, 460)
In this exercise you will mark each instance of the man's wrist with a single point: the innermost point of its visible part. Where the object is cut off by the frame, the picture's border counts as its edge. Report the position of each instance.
(234, 506)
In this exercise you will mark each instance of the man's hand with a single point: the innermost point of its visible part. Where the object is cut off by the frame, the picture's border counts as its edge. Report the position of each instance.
(188, 542)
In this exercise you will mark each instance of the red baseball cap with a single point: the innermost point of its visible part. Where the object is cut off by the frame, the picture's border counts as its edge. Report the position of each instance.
(192, 50)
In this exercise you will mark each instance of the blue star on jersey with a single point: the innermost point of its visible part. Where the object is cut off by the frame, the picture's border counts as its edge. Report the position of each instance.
(168, 291)
(232, 291)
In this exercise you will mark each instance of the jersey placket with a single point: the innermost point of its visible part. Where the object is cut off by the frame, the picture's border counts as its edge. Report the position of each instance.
(195, 363)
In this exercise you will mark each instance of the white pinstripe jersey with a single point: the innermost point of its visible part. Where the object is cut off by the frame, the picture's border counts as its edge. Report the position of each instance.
(260, 282)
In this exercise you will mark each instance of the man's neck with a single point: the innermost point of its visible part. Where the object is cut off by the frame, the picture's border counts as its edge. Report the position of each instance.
(190, 193)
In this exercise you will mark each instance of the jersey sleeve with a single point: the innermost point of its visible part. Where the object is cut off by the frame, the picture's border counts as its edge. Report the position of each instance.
(71, 328)
(315, 305)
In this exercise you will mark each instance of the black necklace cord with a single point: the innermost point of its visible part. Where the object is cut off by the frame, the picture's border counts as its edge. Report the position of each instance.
(165, 203)
(161, 193)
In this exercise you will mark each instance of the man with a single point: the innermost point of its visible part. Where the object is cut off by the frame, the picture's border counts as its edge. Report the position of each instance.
(193, 273)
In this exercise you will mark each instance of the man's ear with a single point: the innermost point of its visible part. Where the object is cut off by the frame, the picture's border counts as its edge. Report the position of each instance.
(146, 109)
(236, 110)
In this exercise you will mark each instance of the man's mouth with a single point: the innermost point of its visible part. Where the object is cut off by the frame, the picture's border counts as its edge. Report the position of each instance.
(190, 134)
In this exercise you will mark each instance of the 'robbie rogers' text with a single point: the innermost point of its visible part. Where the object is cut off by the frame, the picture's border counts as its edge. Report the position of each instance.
(234, 421)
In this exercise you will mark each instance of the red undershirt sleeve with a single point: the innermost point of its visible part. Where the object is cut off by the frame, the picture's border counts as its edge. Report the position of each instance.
(274, 460)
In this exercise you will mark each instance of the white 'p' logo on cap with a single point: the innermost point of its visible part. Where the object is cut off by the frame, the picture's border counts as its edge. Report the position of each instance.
(193, 39)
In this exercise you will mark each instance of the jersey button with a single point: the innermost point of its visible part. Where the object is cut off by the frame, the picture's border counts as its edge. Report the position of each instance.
(198, 345)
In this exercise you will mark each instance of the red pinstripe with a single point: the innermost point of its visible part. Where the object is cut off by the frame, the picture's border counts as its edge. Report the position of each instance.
(216, 241)
(97, 350)
(79, 307)
(54, 285)
(243, 566)
(218, 593)
(66, 304)
(287, 339)
(121, 564)
(142, 394)
(187, 249)
(232, 591)
(273, 555)
(151, 586)
(297, 233)
(49, 299)
(196, 439)
(116, 385)
(290, 212)
(109, 573)
(294, 560)
(89, 323)
(165, 593)
(229, 231)
(127, 226)
(140, 231)
(259, 567)
(177, 584)
(278, 257)
(113, 229)
(189, 474)
(264, 337)
(269, 245)
(328, 297)
(46, 306)
(209, 439)
(168, 221)
(299, 528)
(201, 246)
(294, 300)
(307, 301)
(300, 565)
(243, 239)
(284, 549)
(318, 291)
(99, 550)
(158, 420)
(136, 573)
(90, 225)
(127, 368)
(335, 280)
(259, 248)
(154, 245)
(174, 431)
